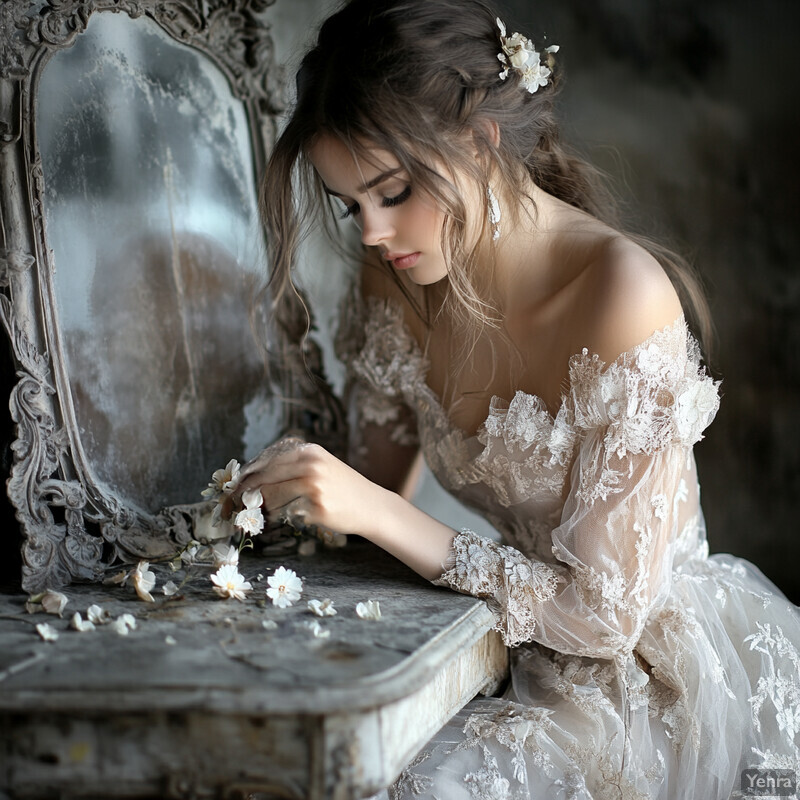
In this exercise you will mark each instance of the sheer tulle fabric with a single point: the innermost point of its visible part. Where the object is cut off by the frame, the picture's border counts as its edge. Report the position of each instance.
(641, 667)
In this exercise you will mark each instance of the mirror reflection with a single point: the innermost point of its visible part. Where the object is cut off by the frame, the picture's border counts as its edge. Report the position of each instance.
(151, 214)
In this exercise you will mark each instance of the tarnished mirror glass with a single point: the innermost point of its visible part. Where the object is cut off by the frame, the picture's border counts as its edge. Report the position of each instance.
(150, 209)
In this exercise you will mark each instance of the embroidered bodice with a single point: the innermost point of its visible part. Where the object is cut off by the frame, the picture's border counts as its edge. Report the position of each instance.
(597, 504)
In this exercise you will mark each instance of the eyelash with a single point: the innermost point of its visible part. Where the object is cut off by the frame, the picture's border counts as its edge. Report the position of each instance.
(387, 202)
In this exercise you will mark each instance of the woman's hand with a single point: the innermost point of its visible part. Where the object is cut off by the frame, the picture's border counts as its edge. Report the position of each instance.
(305, 484)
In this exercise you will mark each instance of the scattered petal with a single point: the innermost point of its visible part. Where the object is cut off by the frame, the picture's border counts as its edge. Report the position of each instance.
(170, 639)
(189, 555)
(170, 588)
(284, 587)
(316, 628)
(79, 624)
(97, 615)
(124, 623)
(143, 581)
(370, 610)
(333, 539)
(269, 624)
(54, 602)
(307, 547)
(225, 554)
(229, 583)
(259, 577)
(47, 632)
(32, 607)
(117, 578)
(322, 608)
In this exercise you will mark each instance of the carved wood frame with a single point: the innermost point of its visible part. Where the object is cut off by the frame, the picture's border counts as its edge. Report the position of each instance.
(72, 528)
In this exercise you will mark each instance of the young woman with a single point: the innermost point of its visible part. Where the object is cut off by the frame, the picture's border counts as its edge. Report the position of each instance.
(541, 361)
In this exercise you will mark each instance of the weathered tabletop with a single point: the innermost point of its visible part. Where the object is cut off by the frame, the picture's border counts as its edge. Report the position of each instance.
(231, 709)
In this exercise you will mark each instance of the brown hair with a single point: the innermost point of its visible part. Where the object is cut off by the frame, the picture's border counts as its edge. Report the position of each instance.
(414, 77)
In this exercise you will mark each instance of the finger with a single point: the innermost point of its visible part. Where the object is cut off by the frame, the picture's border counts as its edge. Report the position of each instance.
(280, 447)
(283, 468)
(278, 497)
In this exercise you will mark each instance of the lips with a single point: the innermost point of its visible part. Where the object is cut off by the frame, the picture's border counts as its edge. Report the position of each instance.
(399, 261)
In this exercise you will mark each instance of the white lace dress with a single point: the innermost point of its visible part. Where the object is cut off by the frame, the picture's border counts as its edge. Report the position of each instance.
(641, 667)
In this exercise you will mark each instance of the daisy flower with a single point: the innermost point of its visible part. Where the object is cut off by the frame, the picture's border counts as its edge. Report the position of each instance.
(250, 519)
(284, 587)
(229, 583)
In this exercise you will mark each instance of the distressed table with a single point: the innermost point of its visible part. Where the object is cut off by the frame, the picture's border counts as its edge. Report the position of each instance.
(203, 701)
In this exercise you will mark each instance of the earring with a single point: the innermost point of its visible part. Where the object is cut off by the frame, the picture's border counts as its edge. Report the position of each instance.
(494, 213)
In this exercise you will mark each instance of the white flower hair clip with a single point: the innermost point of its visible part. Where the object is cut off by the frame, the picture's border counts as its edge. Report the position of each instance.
(519, 54)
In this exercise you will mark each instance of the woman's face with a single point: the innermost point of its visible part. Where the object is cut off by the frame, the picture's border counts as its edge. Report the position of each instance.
(403, 223)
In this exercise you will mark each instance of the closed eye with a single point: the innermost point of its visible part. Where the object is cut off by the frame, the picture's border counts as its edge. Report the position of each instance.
(386, 202)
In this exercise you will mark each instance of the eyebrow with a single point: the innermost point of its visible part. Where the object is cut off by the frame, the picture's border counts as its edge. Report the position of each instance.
(389, 173)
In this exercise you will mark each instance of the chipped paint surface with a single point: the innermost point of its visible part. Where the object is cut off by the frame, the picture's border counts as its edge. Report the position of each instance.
(232, 704)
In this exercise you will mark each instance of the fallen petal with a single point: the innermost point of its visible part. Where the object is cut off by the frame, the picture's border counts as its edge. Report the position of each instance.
(47, 632)
(54, 602)
(79, 624)
(370, 610)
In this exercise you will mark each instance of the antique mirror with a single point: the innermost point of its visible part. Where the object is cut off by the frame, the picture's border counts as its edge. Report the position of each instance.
(132, 138)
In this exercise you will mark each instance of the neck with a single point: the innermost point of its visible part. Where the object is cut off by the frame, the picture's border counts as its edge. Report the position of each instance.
(524, 252)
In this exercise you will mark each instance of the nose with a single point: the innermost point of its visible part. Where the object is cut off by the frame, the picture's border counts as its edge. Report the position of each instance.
(376, 226)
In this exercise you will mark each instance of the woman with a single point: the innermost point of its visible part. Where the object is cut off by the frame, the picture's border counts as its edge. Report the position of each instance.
(541, 362)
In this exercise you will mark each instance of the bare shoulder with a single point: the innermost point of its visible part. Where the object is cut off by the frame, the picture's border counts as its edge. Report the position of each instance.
(624, 296)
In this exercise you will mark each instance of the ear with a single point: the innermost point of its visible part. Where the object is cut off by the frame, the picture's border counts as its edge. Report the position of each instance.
(486, 130)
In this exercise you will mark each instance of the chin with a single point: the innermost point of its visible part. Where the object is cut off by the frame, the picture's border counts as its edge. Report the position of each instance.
(423, 278)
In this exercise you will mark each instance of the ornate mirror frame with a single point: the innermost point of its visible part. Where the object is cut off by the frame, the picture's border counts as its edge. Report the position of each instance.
(73, 528)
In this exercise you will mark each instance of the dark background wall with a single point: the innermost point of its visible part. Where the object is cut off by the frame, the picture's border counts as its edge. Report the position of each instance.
(693, 108)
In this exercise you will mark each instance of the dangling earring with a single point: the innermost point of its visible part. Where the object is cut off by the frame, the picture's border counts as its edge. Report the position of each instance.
(494, 213)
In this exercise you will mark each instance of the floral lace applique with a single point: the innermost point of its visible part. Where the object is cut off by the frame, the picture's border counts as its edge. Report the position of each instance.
(410, 781)
(511, 584)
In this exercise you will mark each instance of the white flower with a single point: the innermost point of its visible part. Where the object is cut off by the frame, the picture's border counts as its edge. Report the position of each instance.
(53, 602)
(223, 481)
(284, 587)
(124, 623)
(250, 519)
(370, 610)
(143, 581)
(519, 54)
(47, 632)
(97, 615)
(225, 554)
(169, 588)
(316, 628)
(229, 583)
(323, 608)
(79, 624)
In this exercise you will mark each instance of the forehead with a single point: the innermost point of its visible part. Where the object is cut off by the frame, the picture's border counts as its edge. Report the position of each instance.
(344, 168)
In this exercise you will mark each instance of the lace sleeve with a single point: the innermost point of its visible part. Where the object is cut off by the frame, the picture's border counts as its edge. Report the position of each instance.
(632, 498)
(381, 423)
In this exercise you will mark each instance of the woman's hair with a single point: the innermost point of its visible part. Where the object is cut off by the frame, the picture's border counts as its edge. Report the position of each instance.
(418, 78)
